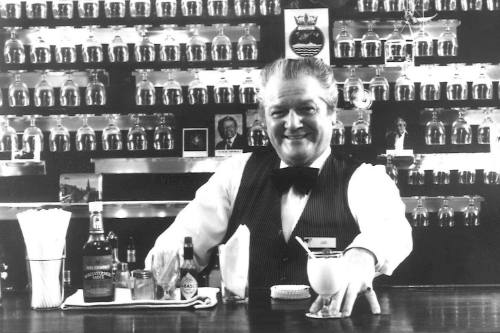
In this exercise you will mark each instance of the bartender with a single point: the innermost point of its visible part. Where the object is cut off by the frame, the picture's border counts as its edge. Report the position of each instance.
(297, 187)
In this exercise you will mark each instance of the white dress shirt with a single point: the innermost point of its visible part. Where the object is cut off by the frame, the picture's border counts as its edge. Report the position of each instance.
(373, 199)
(399, 141)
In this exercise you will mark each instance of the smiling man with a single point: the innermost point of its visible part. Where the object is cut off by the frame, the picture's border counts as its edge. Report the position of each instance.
(297, 187)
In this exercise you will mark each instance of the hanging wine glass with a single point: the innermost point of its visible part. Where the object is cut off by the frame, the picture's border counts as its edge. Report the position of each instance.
(92, 49)
(404, 89)
(18, 92)
(394, 5)
(257, 134)
(471, 5)
(13, 50)
(466, 175)
(482, 86)
(86, 139)
(221, 46)
(62, 9)
(391, 169)
(170, 49)
(416, 176)
(248, 89)
(145, 93)
(244, 7)
(491, 176)
(36, 9)
(270, 7)
(112, 135)
(430, 88)
(371, 46)
(461, 132)
(445, 5)
(32, 140)
(59, 140)
(40, 50)
(10, 9)
(166, 8)
(423, 44)
(395, 46)
(484, 129)
(456, 88)
(447, 42)
(344, 45)
(8, 136)
(164, 138)
(247, 45)
(70, 92)
(217, 7)
(137, 138)
(471, 213)
(360, 131)
(172, 91)
(446, 215)
(196, 48)
(223, 90)
(192, 7)
(421, 6)
(493, 4)
(420, 215)
(44, 93)
(95, 92)
(379, 86)
(1, 98)
(338, 133)
(352, 86)
(144, 51)
(88, 8)
(435, 133)
(65, 50)
(114, 8)
(197, 91)
(370, 6)
(118, 49)
(140, 8)
(441, 175)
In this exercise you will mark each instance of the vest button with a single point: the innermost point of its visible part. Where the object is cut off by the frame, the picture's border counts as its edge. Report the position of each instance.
(284, 259)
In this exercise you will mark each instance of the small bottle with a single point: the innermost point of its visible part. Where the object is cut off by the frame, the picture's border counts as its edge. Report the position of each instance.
(68, 287)
(123, 276)
(214, 277)
(131, 259)
(113, 242)
(188, 284)
(97, 260)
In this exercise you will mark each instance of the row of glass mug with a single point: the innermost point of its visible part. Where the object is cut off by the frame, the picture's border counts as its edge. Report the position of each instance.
(425, 5)
(395, 46)
(446, 215)
(144, 51)
(89, 9)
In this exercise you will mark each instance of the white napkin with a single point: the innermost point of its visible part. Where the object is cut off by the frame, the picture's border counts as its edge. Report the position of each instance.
(234, 261)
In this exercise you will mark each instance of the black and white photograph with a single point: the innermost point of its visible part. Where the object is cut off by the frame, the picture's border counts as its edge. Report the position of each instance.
(229, 134)
(195, 142)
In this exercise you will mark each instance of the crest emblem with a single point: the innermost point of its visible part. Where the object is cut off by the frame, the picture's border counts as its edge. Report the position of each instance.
(306, 40)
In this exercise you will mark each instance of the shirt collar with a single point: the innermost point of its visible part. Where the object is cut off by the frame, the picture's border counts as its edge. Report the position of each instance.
(317, 163)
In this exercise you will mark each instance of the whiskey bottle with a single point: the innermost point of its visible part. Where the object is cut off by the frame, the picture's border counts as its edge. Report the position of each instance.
(189, 283)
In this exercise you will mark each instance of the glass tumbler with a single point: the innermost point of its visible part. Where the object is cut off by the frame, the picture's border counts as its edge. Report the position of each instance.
(360, 131)
(217, 7)
(192, 7)
(245, 7)
(484, 129)
(88, 8)
(457, 88)
(368, 6)
(338, 133)
(36, 9)
(423, 44)
(197, 91)
(144, 51)
(435, 133)
(379, 86)
(482, 86)
(395, 46)
(8, 136)
(140, 8)
(447, 42)
(270, 7)
(166, 8)
(40, 50)
(114, 8)
(257, 134)
(10, 9)
(248, 90)
(223, 90)
(62, 9)
(118, 49)
(92, 51)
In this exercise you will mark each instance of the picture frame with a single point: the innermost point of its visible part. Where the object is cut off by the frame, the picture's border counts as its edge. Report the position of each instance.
(195, 142)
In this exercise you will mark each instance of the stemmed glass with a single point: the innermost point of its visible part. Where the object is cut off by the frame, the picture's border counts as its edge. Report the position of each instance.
(441, 175)
(32, 137)
(222, 49)
(394, 5)
(379, 86)
(40, 50)
(217, 7)
(491, 176)
(70, 92)
(257, 135)
(404, 89)
(483, 131)
(13, 50)
(140, 8)
(445, 5)
(10, 9)
(164, 138)
(391, 169)
(360, 131)
(466, 175)
(118, 49)
(471, 213)
(170, 49)
(470, 5)
(344, 45)
(112, 136)
(416, 176)
(338, 133)
(172, 91)
(18, 92)
(86, 139)
(422, 6)
(248, 90)
(420, 215)
(197, 91)
(244, 7)
(482, 86)
(92, 49)
(270, 7)
(8, 136)
(493, 4)
(423, 45)
(59, 137)
(145, 93)
(395, 46)
(95, 92)
(353, 86)
(137, 138)
(166, 8)
(88, 8)
(65, 50)
(457, 89)
(430, 89)
(196, 48)
(446, 215)
(223, 90)
(247, 45)
(44, 93)
(368, 6)
(371, 46)
(62, 9)
(435, 133)
(144, 50)
(114, 8)
(461, 132)
(36, 9)
(326, 274)
(192, 7)
(447, 42)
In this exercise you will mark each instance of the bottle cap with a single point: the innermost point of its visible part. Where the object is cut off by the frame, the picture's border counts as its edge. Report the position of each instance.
(95, 206)
(142, 274)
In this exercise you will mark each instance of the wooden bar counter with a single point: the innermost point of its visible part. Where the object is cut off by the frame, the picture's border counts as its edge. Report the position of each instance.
(436, 309)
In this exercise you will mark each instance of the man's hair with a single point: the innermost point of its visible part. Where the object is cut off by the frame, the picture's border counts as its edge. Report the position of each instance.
(220, 125)
(289, 69)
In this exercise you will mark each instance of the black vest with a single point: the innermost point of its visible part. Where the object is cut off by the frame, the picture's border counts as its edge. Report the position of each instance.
(258, 205)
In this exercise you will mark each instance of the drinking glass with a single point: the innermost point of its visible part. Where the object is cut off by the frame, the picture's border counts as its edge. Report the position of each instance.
(247, 45)
(445, 5)
(441, 175)
(491, 176)
(368, 6)
(446, 215)
(172, 91)
(270, 7)
(421, 6)
(379, 86)
(353, 86)
(420, 215)
(217, 7)
(10, 9)
(338, 133)
(88, 8)
(430, 88)
(112, 136)
(391, 169)
(166, 8)
(192, 7)
(86, 139)
(145, 93)
(70, 92)
(223, 90)
(140, 8)
(144, 51)
(456, 88)
(493, 4)
(483, 131)
(92, 49)
(471, 213)
(244, 7)
(18, 92)
(423, 45)
(482, 86)
(248, 90)
(416, 176)
(137, 138)
(257, 135)
(36, 9)
(344, 45)
(114, 8)
(118, 49)
(13, 50)
(32, 140)
(326, 274)
(395, 46)
(44, 93)
(1, 98)
(59, 140)
(222, 49)
(65, 50)
(447, 42)
(164, 138)
(196, 48)
(394, 5)
(461, 132)
(62, 9)
(360, 131)
(466, 175)
(170, 49)
(197, 91)
(95, 92)
(471, 5)
(371, 46)
(40, 50)
(435, 133)
(404, 90)
(8, 136)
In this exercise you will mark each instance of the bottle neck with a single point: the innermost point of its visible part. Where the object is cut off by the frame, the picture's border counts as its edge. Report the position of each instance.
(96, 227)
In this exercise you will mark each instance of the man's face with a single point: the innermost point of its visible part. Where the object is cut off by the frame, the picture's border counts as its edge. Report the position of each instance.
(401, 127)
(229, 128)
(297, 117)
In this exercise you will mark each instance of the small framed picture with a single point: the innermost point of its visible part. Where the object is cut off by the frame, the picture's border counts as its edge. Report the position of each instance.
(80, 187)
(398, 140)
(229, 137)
(195, 142)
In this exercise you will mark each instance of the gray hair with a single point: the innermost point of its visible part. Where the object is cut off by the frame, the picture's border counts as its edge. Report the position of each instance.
(289, 69)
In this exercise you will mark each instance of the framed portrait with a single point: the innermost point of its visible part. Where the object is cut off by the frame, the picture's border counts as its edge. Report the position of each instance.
(195, 142)
(229, 138)
(398, 140)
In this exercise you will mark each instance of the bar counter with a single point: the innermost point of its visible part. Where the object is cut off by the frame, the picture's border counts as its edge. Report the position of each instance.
(436, 309)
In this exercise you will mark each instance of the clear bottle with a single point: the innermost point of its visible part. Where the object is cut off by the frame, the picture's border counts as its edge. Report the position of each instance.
(395, 46)
(44, 93)
(222, 49)
(192, 7)
(482, 86)
(70, 92)
(196, 48)
(245, 7)
(391, 169)
(247, 45)
(420, 215)
(140, 8)
(471, 214)
(435, 133)
(379, 86)
(446, 215)
(445, 5)
(188, 277)
(416, 176)
(88, 8)
(97, 260)
(112, 238)
(270, 7)
(217, 7)
(62, 9)
(484, 129)
(18, 92)
(114, 8)
(461, 132)
(344, 45)
(10, 9)
(166, 8)
(371, 46)
(368, 6)
(131, 254)
(170, 49)
(36, 9)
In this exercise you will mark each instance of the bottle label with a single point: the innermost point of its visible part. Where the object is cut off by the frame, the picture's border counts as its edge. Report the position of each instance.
(131, 256)
(189, 286)
(97, 276)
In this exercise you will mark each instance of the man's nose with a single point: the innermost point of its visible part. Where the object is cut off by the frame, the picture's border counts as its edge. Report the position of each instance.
(293, 120)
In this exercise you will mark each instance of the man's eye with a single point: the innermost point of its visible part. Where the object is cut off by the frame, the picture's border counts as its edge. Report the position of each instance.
(307, 110)
(276, 113)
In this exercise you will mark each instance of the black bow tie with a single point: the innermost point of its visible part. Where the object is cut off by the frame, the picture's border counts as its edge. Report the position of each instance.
(301, 178)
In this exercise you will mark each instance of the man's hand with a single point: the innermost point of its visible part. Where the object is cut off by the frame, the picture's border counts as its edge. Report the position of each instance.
(360, 271)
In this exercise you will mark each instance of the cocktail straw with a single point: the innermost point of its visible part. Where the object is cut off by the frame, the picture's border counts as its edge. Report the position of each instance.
(304, 245)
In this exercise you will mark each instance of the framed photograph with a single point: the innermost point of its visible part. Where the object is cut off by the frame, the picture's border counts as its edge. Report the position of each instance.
(398, 140)
(195, 142)
(229, 138)
(80, 187)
